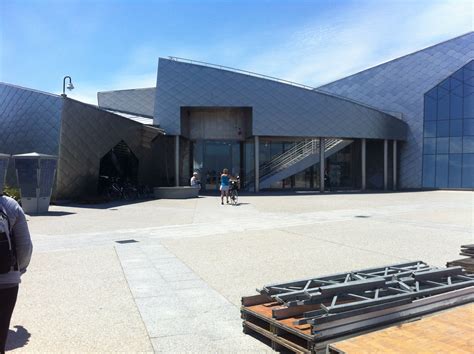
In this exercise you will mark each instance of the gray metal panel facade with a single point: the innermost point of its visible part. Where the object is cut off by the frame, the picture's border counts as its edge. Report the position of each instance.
(277, 109)
(29, 121)
(399, 85)
(87, 134)
(135, 101)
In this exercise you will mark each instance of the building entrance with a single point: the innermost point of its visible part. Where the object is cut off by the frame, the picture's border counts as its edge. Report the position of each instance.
(211, 157)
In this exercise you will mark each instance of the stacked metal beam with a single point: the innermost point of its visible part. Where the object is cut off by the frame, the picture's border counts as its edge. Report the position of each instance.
(466, 263)
(337, 304)
(467, 250)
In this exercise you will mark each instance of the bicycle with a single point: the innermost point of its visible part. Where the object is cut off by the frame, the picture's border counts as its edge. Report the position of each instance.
(233, 193)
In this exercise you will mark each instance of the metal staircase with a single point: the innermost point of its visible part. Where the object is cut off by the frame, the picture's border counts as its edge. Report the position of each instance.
(301, 156)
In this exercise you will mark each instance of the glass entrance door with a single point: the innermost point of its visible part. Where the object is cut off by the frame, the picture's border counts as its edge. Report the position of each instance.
(217, 155)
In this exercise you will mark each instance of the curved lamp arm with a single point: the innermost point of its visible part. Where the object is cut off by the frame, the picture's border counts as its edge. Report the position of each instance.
(70, 85)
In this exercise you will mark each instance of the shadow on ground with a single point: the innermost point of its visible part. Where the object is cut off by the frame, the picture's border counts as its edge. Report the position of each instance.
(102, 205)
(17, 339)
(54, 213)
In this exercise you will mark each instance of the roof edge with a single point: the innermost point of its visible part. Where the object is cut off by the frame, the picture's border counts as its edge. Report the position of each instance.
(395, 59)
(30, 89)
(131, 89)
(282, 82)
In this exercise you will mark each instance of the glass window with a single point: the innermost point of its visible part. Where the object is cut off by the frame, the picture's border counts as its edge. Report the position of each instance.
(469, 102)
(430, 108)
(455, 106)
(454, 83)
(448, 132)
(442, 145)
(443, 105)
(468, 127)
(469, 77)
(441, 171)
(430, 129)
(457, 90)
(276, 149)
(429, 163)
(442, 128)
(468, 171)
(455, 145)
(455, 162)
(455, 127)
(458, 75)
(433, 93)
(444, 84)
(468, 144)
(429, 146)
(265, 151)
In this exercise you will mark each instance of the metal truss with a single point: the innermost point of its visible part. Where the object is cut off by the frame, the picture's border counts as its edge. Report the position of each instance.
(348, 302)
(370, 296)
(291, 293)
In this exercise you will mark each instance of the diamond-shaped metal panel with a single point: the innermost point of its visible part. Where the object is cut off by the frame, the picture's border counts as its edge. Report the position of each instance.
(399, 85)
(278, 109)
(87, 134)
(29, 121)
(135, 101)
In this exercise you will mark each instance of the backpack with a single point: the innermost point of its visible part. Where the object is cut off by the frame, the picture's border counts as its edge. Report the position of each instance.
(7, 245)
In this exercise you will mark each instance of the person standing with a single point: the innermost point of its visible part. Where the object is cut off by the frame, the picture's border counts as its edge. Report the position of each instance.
(15, 255)
(225, 179)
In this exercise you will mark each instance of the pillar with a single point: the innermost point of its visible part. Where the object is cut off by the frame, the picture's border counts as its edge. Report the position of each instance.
(385, 164)
(394, 165)
(321, 164)
(257, 163)
(176, 160)
(364, 165)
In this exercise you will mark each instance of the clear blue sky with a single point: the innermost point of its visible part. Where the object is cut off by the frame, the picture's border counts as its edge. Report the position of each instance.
(106, 45)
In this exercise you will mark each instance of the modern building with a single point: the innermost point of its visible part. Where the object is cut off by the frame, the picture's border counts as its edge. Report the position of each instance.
(404, 124)
(88, 141)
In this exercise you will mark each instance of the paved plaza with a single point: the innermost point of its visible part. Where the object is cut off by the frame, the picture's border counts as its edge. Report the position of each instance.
(178, 288)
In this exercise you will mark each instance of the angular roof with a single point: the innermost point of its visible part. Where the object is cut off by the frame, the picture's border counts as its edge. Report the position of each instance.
(392, 85)
(134, 117)
(278, 108)
(400, 84)
(138, 102)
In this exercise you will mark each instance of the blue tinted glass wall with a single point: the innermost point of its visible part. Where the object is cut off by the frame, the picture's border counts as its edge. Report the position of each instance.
(448, 132)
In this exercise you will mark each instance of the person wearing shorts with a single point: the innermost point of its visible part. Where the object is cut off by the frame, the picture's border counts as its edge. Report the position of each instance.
(225, 179)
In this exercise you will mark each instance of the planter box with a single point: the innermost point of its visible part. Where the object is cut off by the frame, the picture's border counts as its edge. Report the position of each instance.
(175, 192)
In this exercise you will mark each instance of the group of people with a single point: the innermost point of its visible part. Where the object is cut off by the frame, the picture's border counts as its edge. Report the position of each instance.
(225, 183)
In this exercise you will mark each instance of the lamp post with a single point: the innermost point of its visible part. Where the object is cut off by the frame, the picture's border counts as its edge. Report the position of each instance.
(69, 86)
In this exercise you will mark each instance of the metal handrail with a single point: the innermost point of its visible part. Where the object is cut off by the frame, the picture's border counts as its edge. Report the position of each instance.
(284, 154)
(299, 151)
(292, 156)
(240, 71)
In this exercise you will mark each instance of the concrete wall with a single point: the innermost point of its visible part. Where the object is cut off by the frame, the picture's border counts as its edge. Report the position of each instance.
(163, 161)
(399, 85)
(216, 123)
(277, 109)
(29, 122)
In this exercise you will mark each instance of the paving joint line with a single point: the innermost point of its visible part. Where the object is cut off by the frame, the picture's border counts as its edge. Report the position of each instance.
(133, 298)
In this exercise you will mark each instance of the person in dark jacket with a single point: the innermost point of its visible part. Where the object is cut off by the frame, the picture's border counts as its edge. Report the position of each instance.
(9, 281)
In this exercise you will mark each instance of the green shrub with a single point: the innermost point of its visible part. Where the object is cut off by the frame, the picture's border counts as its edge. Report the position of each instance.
(12, 192)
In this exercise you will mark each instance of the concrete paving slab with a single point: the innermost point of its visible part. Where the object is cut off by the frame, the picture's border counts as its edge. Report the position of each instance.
(194, 259)
(79, 302)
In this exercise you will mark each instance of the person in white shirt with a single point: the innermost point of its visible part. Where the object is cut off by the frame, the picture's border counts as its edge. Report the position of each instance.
(195, 182)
